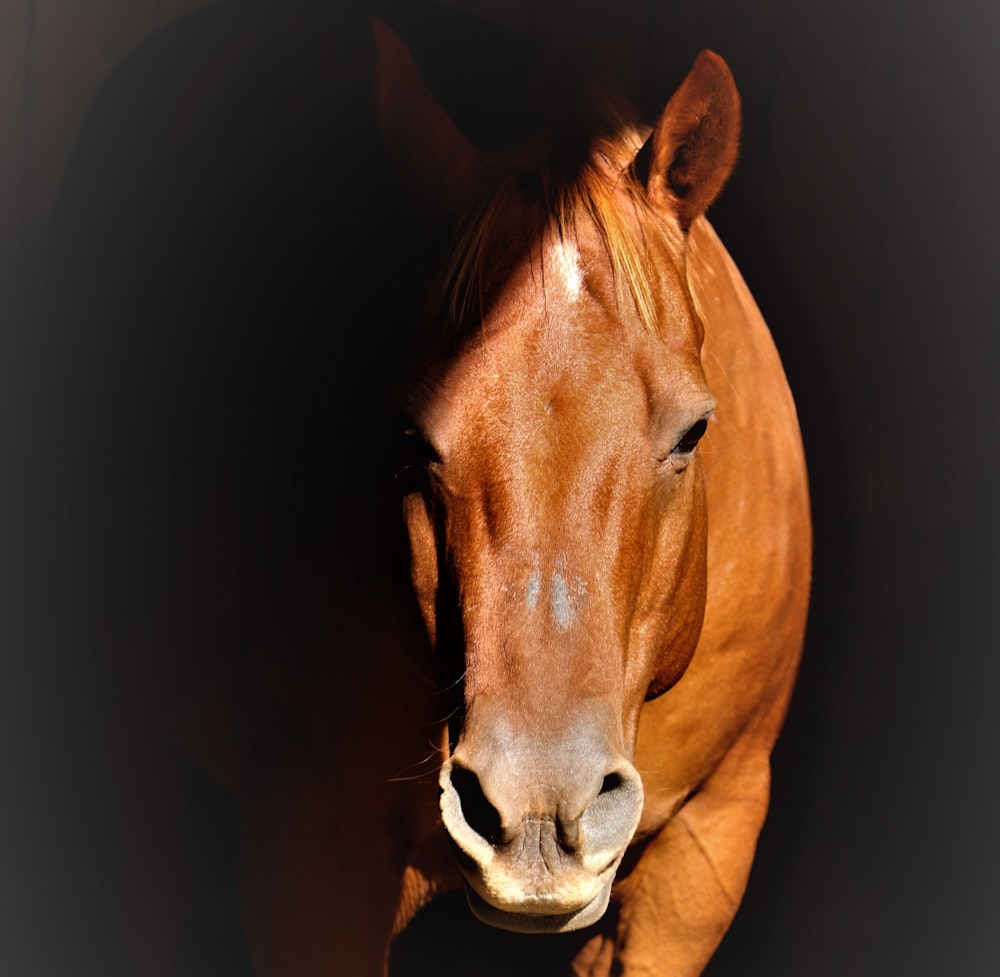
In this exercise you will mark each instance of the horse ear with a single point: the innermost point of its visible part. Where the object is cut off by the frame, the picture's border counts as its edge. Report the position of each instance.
(435, 164)
(694, 145)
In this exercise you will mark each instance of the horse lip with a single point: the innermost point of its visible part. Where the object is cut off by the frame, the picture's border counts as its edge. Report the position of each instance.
(525, 912)
(539, 922)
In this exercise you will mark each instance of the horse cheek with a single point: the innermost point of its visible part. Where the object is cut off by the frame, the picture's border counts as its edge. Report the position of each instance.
(683, 583)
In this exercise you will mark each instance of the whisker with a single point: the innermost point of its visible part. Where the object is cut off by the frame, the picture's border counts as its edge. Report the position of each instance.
(451, 714)
(404, 777)
(456, 683)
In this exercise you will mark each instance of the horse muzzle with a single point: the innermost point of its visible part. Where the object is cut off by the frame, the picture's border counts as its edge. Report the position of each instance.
(539, 832)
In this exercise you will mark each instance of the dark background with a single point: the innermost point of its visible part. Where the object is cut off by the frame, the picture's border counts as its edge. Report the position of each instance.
(864, 215)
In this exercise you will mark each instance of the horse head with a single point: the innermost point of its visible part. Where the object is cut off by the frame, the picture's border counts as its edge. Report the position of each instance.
(558, 527)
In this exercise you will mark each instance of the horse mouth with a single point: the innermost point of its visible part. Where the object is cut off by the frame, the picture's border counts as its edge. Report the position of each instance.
(539, 921)
(526, 898)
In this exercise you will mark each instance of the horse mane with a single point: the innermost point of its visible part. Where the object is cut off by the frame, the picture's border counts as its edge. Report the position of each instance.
(584, 168)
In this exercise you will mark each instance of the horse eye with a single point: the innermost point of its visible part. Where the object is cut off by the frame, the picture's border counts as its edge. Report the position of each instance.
(689, 442)
(417, 445)
(415, 455)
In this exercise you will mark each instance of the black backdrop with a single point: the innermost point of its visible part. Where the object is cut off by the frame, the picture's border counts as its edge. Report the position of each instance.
(864, 215)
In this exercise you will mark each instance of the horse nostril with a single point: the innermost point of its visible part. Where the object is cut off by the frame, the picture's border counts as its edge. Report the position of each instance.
(611, 817)
(479, 813)
(610, 783)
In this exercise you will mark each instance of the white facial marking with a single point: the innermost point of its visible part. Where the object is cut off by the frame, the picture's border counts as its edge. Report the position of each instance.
(562, 608)
(568, 263)
(533, 590)
(564, 600)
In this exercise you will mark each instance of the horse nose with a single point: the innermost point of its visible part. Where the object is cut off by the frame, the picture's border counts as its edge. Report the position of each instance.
(589, 814)
(540, 819)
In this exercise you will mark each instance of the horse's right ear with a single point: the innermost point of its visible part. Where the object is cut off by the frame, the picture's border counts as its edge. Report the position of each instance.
(694, 145)
(435, 165)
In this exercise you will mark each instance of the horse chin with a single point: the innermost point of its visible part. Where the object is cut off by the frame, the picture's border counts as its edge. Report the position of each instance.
(535, 922)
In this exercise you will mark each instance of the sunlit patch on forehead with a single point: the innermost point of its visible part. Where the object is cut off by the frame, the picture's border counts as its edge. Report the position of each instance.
(597, 209)
(568, 266)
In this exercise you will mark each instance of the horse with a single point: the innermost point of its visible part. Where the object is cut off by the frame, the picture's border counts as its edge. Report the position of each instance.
(611, 535)
(557, 535)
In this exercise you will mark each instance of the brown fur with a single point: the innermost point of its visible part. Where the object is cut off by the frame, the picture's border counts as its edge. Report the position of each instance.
(693, 581)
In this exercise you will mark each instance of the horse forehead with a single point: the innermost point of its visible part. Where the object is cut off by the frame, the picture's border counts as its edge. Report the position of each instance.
(565, 365)
(615, 268)
(567, 264)
(563, 332)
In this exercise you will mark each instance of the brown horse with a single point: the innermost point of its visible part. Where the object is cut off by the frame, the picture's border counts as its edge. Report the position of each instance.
(611, 538)
(602, 485)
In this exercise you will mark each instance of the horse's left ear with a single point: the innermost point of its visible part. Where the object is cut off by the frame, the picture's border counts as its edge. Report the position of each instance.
(694, 145)
(435, 164)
